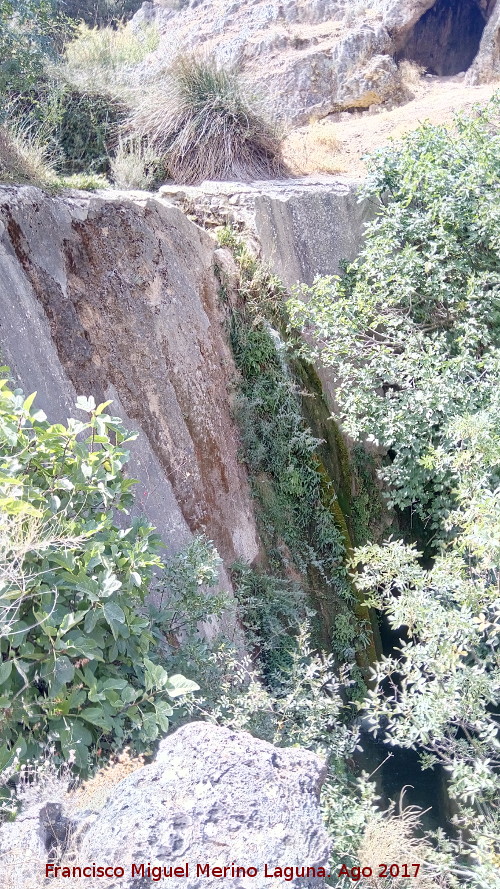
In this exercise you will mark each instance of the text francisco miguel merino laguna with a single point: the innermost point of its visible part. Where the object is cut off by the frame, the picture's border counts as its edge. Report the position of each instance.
(159, 872)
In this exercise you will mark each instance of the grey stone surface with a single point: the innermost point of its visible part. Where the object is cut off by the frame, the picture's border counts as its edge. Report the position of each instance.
(308, 58)
(115, 296)
(214, 796)
(301, 227)
(486, 66)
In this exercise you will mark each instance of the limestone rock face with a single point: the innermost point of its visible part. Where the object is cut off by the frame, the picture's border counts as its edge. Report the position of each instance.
(116, 297)
(211, 797)
(310, 58)
(214, 796)
(486, 65)
(300, 227)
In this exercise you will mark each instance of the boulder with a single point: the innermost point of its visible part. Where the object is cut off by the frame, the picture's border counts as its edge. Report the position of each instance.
(212, 799)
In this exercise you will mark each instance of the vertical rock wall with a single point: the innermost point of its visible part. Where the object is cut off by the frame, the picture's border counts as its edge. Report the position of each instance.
(116, 297)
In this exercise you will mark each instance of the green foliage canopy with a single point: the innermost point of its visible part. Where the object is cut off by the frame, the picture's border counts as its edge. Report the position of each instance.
(77, 651)
(29, 30)
(412, 329)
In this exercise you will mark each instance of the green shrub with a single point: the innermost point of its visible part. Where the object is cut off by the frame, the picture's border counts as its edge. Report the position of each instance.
(412, 332)
(204, 126)
(77, 651)
(98, 59)
(78, 128)
(80, 182)
(29, 30)
(412, 329)
(85, 129)
(98, 13)
(136, 165)
(271, 612)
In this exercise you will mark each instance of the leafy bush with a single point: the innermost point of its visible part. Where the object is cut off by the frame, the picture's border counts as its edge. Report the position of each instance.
(84, 129)
(98, 13)
(200, 121)
(77, 665)
(28, 33)
(271, 612)
(412, 329)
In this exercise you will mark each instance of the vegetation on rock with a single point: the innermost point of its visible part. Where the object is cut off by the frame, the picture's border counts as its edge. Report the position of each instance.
(412, 333)
(202, 124)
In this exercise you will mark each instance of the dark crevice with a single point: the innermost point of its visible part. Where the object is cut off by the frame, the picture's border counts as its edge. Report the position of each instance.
(446, 39)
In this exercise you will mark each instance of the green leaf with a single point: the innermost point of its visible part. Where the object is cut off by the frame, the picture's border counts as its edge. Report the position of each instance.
(86, 404)
(63, 671)
(110, 585)
(102, 407)
(96, 716)
(5, 671)
(113, 613)
(70, 620)
(28, 402)
(178, 685)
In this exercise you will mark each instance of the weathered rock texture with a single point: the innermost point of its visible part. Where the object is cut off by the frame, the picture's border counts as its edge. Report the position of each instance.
(486, 66)
(311, 58)
(301, 228)
(117, 297)
(212, 796)
(215, 796)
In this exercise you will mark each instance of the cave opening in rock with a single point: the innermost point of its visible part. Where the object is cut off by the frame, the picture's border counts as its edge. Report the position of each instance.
(445, 40)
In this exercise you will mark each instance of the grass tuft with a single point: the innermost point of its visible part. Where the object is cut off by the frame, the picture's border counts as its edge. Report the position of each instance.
(202, 123)
(135, 165)
(99, 59)
(23, 158)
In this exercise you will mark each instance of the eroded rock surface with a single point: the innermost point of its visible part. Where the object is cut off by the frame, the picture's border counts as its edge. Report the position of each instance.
(311, 58)
(117, 297)
(215, 796)
(301, 228)
(211, 797)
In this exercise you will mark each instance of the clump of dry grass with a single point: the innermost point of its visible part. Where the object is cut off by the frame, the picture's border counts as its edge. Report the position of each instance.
(411, 73)
(201, 123)
(134, 165)
(99, 59)
(37, 783)
(23, 159)
(93, 793)
(393, 839)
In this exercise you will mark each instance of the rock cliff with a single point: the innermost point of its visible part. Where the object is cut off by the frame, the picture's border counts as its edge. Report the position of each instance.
(311, 58)
(301, 228)
(117, 297)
